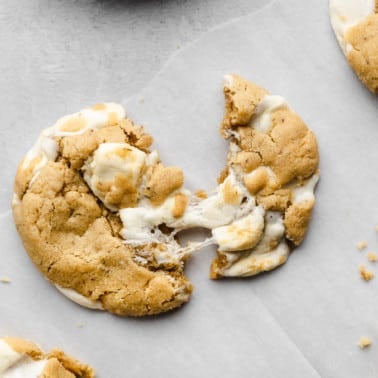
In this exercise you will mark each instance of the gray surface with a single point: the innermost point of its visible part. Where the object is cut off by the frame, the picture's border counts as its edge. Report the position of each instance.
(304, 319)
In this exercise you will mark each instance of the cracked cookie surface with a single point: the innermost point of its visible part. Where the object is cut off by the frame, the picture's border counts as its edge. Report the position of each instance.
(22, 358)
(355, 23)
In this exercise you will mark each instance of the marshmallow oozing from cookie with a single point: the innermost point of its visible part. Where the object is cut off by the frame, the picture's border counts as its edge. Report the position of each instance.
(355, 23)
(22, 358)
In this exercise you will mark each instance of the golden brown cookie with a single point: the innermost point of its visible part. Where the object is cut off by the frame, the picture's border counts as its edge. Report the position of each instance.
(274, 156)
(68, 190)
(355, 23)
(22, 358)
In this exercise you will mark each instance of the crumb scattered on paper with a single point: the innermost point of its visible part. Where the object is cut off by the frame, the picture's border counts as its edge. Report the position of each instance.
(372, 256)
(361, 245)
(364, 342)
(5, 280)
(365, 274)
(80, 324)
(141, 99)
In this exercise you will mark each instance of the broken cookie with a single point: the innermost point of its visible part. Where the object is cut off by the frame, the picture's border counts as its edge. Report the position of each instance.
(262, 206)
(69, 189)
(273, 157)
(22, 358)
(355, 23)
(99, 213)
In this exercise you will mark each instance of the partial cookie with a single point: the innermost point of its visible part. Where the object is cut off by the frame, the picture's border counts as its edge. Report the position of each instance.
(99, 213)
(22, 358)
(262, 205)
(273, 157)
(69, 189)
(355, 23)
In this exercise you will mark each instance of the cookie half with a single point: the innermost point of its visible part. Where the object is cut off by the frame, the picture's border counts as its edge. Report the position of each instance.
(68, 193)
(274, 157)
(99, 213)
(22, 358)
(355, 23)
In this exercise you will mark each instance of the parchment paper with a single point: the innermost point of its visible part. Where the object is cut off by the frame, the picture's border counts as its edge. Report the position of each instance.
(302, 320)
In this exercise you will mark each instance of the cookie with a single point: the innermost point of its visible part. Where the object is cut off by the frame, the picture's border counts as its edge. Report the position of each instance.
(67, 195)
(99, 213)
(22, 358)
(355, 23)
(273, 157)
(262, 205)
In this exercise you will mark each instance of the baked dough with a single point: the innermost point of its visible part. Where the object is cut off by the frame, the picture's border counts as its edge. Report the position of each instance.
(68, 190)
(275, 157)
(99, 213)
(355, 23)
(22, 358)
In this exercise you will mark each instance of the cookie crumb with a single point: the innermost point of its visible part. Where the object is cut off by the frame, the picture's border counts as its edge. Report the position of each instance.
(365, 274)
(5, 280)
(372, 256)
(364, 342)
(141, 99)
(80, 324)
(361, 245)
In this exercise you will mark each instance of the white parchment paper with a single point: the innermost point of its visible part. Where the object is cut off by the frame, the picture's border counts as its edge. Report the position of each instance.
(302, 320)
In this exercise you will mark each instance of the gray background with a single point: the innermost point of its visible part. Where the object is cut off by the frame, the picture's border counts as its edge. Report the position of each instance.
(302, 320)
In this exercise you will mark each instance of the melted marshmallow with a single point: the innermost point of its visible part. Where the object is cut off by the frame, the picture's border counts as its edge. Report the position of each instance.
(95, 117)
(17, 365)
(110, 161)
(262, 257)
(8, 356)
(46, 148)
(26, 368)
(257, 263)
(306, 192)
(217, 210)
(242, 234)
(263, 117)
(80, 299)
(347, 13)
